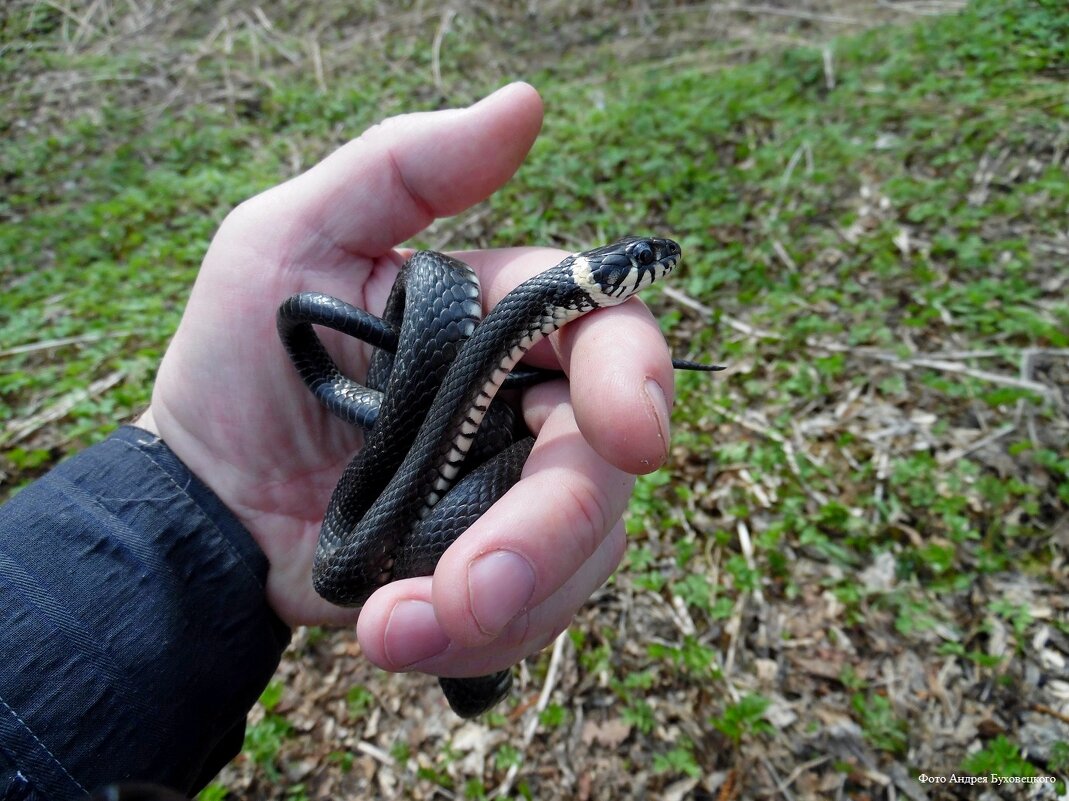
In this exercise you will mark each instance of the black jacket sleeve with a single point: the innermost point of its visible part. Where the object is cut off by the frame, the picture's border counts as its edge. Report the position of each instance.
(135, 633)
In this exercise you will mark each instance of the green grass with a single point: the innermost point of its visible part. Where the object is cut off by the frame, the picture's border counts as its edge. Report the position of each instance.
(1001, 758)
(912, 205)
(265, 738)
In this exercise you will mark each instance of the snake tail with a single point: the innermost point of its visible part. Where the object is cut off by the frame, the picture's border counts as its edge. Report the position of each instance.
(472, 696)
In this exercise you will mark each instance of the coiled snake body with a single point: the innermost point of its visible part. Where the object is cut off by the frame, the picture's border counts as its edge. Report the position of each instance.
(438, 450)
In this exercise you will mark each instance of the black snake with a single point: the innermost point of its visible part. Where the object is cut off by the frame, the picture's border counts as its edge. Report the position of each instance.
(438, 450)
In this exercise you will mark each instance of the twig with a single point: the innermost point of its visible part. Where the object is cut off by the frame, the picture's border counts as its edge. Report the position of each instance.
(792, 462)
(750, 425)
(883, 471)
(779, 439)
(792, 777)
(928, 361)
(686, 300)
(708, 313)
(792, 163)
(317, 63)
(228, 90)
(971, 372)
(958, 453)
(18, 430)
(746, 546)
(86, 26)
(733, 629)
(529, 730)
(263, 28)
(803, 150)
(263, 19)
(729, 790)
(929, 9)
(780, 785)
(82, 21)
(376, 753)
(59, 342)
(1054, 713)
(677, 611)
(406, 773)
(755, 488)
(436, 48)
(829, 68)
(684, 620)
(790, 12)
(784, 256)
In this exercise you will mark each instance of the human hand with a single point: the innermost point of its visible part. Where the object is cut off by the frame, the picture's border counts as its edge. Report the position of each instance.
(231, 406)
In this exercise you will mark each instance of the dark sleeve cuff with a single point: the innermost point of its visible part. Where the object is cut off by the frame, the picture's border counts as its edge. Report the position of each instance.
(135, 633)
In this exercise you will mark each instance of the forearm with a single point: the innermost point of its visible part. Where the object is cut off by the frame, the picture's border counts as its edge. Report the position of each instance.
(134, 629)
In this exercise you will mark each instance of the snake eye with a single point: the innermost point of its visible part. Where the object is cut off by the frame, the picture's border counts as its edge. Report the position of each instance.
(644, 254)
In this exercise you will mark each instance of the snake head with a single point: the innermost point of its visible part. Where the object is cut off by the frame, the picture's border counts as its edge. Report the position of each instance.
(613, 273)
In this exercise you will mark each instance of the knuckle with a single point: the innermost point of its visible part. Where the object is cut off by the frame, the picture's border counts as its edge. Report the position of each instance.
(591, 516)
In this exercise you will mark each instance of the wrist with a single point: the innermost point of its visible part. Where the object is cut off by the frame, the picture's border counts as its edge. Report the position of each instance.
(197, 460)
(147, 422)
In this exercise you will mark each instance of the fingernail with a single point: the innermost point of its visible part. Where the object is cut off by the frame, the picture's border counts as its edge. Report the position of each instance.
(500, 585)
(658, 409)
(413, 634)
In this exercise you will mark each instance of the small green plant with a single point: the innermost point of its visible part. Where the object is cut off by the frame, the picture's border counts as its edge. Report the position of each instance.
(506, 756)
(360, 701)
(912, 613)
(265, 738)
(641, 681)
(743, 718)
(679, 759)
(24, 459)
(553, 716)
(400, 751)
(639, 559)
(474, 789)
(999, 757)
(652, 580)
(213, 792)
(1059, 757)
(696, 591)
(747, 579)
(640, 715)
(684, 548)
(878, 722)
(439, 773)
(692, 656)
(436, 775)
(1017, 615)
(849, 678)
(343, 759)
(595, 659)
(1058, 762)
(272, 695)
(977, 657)
(649, 507)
